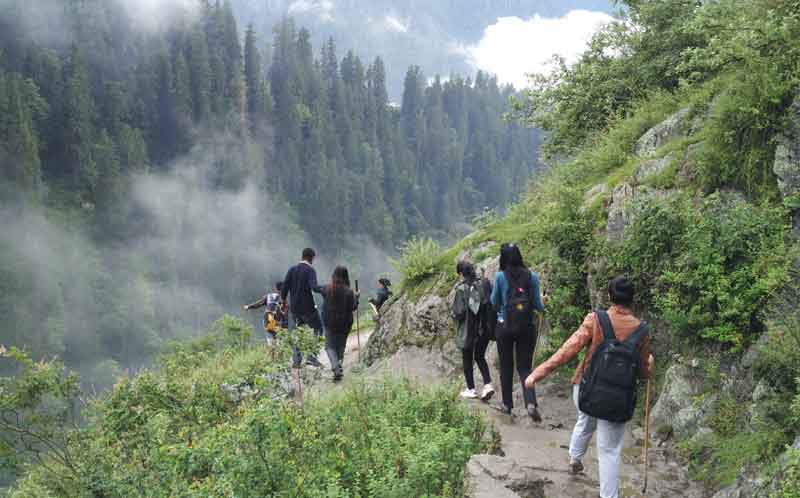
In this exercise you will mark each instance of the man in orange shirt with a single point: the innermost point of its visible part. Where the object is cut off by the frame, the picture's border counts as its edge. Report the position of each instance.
(590, 334)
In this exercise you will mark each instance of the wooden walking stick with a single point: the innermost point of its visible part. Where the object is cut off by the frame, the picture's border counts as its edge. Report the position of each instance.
(538, 338)
(646, 433)
(358, 333)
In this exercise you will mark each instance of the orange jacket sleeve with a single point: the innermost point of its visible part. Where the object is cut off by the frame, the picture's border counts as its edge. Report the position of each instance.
(569, 350)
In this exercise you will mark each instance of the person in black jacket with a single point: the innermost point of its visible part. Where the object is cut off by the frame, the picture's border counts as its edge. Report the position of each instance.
(337, 315)
(299, 283)
(383, 293)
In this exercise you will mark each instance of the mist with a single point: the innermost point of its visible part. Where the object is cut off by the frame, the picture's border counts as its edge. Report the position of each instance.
(197, 244)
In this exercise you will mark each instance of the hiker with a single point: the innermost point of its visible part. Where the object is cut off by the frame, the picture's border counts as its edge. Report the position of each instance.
(299, 283)
(611, 402)
(273, 317)
(516, 297)
(382, 295)
(337, 316)
(469, 337)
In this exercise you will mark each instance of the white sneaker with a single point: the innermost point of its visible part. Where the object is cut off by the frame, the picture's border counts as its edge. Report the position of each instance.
(487, 393)
(469, 394)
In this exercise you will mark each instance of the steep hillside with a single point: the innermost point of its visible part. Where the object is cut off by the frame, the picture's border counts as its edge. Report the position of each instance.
(682, 173)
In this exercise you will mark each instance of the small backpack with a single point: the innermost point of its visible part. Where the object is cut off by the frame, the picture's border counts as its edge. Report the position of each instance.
(467, 300)
(519, 304)
(609, 385)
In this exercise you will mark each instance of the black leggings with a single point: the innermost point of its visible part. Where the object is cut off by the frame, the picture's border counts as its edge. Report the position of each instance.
(478, 354)
(520, 346)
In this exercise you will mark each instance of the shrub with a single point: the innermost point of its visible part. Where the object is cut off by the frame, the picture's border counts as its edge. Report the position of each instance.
(418, 258)
(178, 432)
(708, 267)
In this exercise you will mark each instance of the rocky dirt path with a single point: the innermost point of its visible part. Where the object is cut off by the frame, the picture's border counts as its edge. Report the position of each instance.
(535, 458)
(533, 463)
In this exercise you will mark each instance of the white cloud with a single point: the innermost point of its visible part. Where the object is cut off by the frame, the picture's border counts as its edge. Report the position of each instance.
(159, 14)
(323, 8)
(513, 47)
(396, 25)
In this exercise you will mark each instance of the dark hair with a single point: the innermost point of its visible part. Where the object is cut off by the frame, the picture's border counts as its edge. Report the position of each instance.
(308, 254)
(385, 282)
(335, 307)
(465, 268)
(279, 286)
(510, 257)
(340, 277)
(621, 291)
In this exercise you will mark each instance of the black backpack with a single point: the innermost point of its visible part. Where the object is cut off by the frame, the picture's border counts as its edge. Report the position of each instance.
(519, 303)
(608, 388)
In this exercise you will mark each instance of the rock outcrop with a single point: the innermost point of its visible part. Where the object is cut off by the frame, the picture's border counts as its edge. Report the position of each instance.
(671, 128)
(679, 409)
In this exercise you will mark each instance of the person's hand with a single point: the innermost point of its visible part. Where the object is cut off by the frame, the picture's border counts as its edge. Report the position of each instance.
(246, 307)
(545, 299)
(531, 381)
(358, 293)
(651, 363)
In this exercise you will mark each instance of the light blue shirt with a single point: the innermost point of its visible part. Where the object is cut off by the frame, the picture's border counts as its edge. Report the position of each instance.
(500, 291)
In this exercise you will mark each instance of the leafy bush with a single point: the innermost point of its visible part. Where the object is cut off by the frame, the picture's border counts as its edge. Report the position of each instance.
(709, 267)
(179, 431)
(418, 258)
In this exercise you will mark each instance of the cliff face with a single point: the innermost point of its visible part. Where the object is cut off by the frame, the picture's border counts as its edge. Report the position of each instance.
(713, 389)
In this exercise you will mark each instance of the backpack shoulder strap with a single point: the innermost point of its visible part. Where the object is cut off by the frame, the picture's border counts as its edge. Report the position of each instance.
(642, 330)
(605, 325)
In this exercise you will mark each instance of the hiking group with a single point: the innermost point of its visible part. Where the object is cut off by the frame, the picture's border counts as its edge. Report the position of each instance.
(605, 384)
(291, 304)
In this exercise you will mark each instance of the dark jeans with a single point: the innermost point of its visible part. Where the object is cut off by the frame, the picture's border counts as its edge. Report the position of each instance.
(520, 346)
(476, 354)
(311, 320)
(335, 344)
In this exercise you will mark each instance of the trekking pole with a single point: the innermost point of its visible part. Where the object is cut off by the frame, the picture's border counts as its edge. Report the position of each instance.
(646, 433)
(358, 334)
(538, 339)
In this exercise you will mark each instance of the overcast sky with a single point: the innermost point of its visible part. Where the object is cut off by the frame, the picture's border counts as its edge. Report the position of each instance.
(514, 47)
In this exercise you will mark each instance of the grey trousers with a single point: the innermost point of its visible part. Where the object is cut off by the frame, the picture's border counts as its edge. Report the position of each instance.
(312, 321)
(335, 345)
(610, 437)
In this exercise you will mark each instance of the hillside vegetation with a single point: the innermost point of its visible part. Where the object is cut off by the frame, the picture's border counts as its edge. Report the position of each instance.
(216, 419)
(674, 147)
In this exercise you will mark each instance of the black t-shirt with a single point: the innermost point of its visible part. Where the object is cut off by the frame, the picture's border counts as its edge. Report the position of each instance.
(298, 284)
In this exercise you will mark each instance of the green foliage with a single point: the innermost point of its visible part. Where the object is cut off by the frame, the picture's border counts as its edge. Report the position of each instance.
(39, 404)
(709, 268)
(790, 484)
(179, 431)
(418, 259)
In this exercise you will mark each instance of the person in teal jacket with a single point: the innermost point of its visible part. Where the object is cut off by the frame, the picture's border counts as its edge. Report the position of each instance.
(516, 344)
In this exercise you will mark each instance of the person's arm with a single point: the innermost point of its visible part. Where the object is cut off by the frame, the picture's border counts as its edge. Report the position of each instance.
(285, 286)
(569, 350)
(354, 297)
(496, 291)
(537, 292)
(312, 281)
(258, 304)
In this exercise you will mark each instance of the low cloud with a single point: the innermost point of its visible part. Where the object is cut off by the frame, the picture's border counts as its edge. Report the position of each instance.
(513, 47)
(322, 8)
(395, 24)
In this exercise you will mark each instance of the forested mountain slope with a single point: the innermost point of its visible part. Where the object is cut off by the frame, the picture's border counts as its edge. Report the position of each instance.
(675, 146)
(158, 172)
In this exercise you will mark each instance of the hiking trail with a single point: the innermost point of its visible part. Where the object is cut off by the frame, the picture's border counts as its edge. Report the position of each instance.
(533, 460)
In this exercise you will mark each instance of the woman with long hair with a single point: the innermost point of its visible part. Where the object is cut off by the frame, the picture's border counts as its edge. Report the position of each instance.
(337, 316)
(516, 297)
